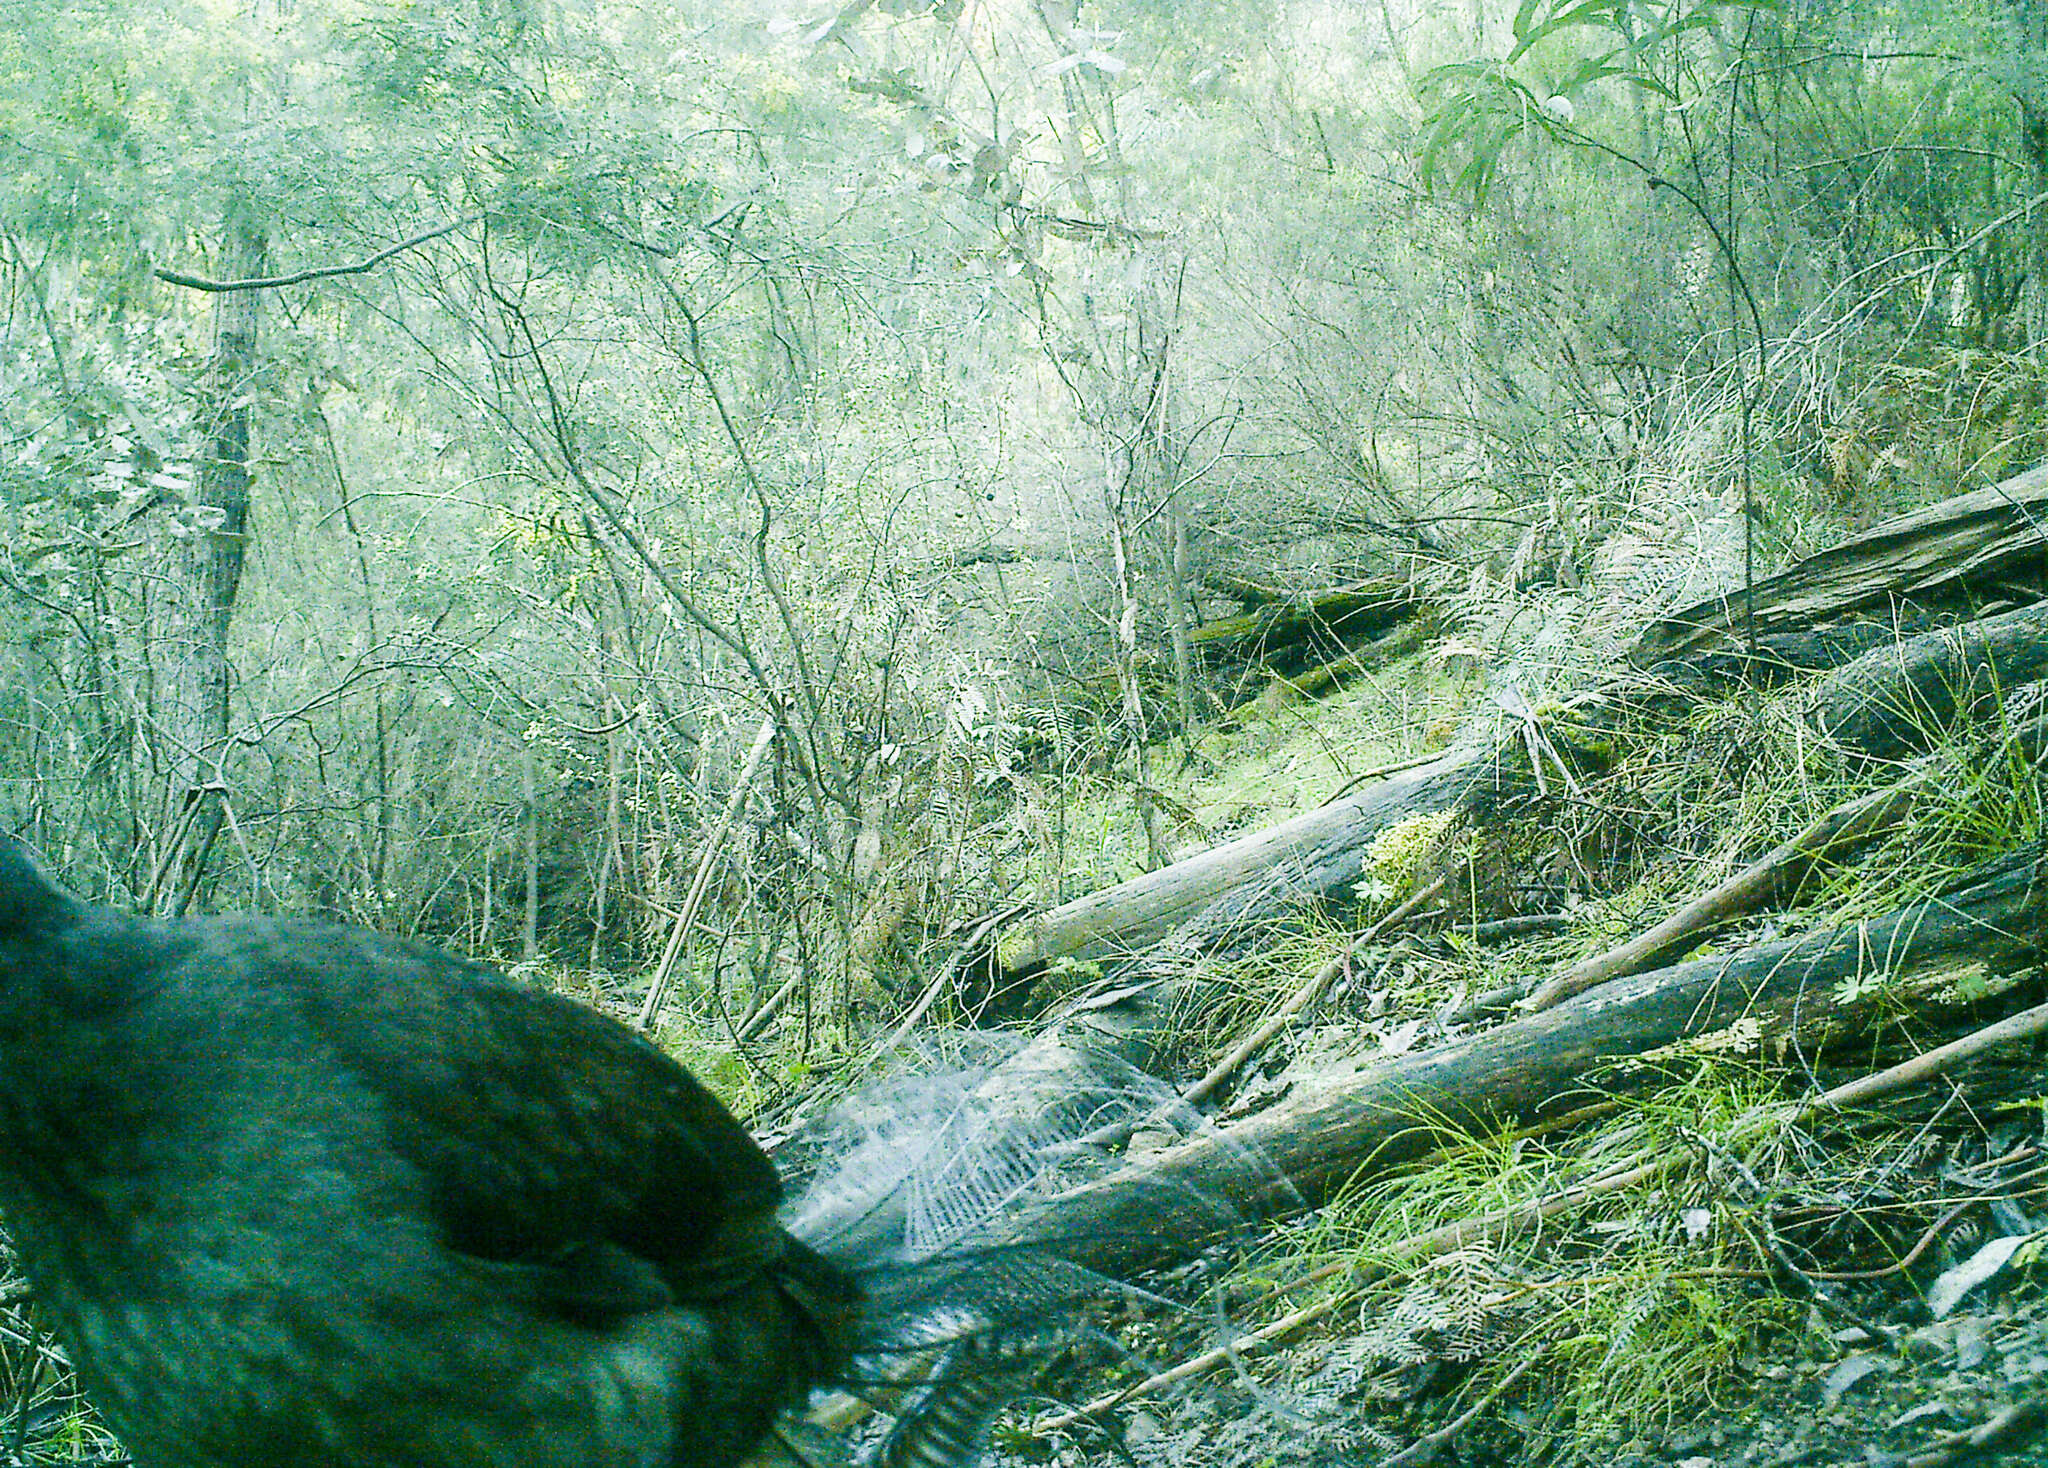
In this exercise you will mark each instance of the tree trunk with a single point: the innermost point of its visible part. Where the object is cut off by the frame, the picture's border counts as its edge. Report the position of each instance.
(529, 790)
(204, 573)
(2029, 85)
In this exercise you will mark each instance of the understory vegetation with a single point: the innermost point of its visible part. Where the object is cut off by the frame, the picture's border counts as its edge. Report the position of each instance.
(1691, 1247)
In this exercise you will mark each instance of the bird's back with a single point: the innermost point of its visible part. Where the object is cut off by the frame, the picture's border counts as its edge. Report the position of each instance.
(303, 1196)
(295, 1194)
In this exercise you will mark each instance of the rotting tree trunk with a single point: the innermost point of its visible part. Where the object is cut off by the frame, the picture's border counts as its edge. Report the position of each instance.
(1313, 853)
(1898, 699)
(1973, 545)
(1319, 678)
(1304, 1150)
(1355, 612)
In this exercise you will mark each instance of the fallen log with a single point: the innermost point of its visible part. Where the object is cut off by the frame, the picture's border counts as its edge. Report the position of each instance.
(1355, 612)
(1304, 1150)
(1504, 1222)
(1970, 546)
(1317, 679)
(1898, 699)
(1249, 590)
(1315, 852)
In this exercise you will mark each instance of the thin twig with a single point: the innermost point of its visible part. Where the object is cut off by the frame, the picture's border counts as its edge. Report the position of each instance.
(2027, 1023)
(1968, 1445)
(1301, 998)
(1755, 1193)
(273, 282)
(964, 953)
(1194, 1365)
(712, 845)
(756, 1022)
(1426, 1447)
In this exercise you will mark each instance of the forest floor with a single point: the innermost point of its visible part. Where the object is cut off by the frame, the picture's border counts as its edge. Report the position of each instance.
(1860, 1289)
(1970, 1389)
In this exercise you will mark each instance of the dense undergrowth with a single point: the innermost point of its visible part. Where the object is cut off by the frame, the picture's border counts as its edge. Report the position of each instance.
(1746, 1235)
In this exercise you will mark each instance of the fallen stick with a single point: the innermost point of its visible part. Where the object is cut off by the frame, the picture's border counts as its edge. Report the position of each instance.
(1505, 1222)
(1849, 822)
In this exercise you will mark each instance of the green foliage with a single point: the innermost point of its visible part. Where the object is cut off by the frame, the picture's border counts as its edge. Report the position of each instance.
(764, 366)
(1476, 109)
(1635, 1309)
(878, 374)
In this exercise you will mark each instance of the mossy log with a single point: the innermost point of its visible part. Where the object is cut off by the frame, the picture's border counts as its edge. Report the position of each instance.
(1972, 546)
(1315, 852)
(1350, 614)
(1319, 854)
(1301, 1152)
(1320, 678)
(1247, 589)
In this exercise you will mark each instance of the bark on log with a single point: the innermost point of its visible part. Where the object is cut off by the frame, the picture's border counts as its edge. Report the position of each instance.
(1897, 700)
(1777, 870)
(1351, 613)
(1304, 1150)
(1315, 852)
(1781, 657)
(1971, 544)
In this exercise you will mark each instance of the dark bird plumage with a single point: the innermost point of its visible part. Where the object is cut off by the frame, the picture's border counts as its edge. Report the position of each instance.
(300, 1196)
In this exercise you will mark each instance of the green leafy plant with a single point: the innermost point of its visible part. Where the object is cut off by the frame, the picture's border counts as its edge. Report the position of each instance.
(1475, 109)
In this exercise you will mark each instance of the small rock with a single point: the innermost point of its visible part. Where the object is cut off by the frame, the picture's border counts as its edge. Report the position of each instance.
(2025, 1368)
(1925, 1409)
(1849, 1373)
(1928, 1342)
(1972, 1342)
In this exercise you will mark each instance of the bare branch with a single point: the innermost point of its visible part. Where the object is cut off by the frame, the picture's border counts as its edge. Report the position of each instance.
(270, 282)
